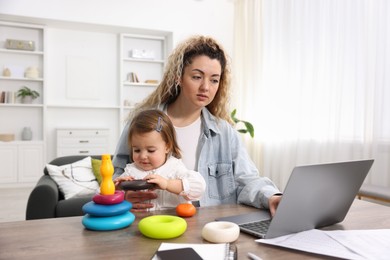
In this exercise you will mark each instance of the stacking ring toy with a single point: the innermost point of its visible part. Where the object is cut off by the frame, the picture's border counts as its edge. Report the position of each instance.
(108, 223)
(115, 198)
(98, 210)
(136, 185)
(220, 232)
(162, 226)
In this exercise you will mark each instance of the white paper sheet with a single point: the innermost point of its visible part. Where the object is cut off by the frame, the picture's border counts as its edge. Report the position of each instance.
(370, 244)
(349, 244)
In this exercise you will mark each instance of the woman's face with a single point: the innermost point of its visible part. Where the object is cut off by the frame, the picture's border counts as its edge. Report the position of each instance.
(149, 150)
(200, 81)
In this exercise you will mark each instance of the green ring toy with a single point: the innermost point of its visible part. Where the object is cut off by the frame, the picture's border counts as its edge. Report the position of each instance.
(162, 226)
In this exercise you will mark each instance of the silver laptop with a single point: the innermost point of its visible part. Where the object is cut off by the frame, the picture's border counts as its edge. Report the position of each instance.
(315, 196)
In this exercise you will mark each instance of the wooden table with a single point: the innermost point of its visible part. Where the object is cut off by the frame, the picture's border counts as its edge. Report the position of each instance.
(66, 238)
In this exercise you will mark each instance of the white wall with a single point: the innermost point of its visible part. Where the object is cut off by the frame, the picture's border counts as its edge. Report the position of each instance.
(182, 17)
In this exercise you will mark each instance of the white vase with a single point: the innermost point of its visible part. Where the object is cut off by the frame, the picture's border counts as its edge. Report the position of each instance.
(27, 100)
(26, 134)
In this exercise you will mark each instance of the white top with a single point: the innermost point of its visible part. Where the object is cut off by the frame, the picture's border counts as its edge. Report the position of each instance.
(193, 183)
(187, 140)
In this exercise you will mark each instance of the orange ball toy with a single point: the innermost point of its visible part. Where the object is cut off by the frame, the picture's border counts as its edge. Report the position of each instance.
(185, 210)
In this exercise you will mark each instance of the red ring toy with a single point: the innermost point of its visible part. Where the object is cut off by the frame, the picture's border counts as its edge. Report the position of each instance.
(115, 198)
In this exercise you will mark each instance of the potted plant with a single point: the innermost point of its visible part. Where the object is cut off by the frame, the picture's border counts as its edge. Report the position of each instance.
(27, 95)
(248, 126)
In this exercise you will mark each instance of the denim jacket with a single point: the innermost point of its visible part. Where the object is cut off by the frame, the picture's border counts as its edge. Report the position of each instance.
(231, 176)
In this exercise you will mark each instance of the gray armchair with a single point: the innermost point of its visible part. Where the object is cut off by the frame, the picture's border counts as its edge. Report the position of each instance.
(46, 200)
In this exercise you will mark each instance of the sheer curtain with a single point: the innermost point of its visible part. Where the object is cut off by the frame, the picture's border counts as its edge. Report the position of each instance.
(314, 79)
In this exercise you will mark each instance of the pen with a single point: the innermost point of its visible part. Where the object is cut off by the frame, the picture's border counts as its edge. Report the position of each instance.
(253, 256)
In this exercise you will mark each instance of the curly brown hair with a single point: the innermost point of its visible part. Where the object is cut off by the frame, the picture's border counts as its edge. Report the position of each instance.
(168, 89)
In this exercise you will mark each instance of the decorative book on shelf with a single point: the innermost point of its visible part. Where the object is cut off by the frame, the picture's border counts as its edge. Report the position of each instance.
(151, 81)
(7, 97)
(132, 77)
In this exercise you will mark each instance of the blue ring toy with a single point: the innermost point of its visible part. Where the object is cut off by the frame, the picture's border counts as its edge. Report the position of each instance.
(108, 223)
(162, 226)
(98, 210)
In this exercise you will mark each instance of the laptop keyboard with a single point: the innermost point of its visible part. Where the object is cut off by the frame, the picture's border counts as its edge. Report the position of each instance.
(257, 227)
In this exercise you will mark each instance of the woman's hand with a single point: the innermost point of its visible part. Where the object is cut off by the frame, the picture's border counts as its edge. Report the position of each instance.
(140, 199)
(273, 203)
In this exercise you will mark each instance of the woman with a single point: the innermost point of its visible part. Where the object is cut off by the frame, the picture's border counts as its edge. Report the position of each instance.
(194, 94)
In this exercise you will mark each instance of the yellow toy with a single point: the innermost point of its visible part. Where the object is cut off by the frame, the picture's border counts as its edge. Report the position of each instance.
(107, 186)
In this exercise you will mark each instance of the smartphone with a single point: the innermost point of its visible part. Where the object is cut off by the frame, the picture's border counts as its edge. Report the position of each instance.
(186, 253)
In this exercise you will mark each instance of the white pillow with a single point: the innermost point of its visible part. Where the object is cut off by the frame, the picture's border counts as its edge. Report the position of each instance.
(76, 179)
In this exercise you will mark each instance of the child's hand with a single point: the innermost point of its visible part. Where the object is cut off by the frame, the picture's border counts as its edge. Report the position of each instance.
(118, 180)
(160, 181)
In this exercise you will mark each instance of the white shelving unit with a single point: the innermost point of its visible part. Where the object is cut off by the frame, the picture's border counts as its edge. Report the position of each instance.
(83, 84)
(143, 56)
(23, 160)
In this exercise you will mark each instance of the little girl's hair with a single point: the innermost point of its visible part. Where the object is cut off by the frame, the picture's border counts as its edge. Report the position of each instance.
(155, 120)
